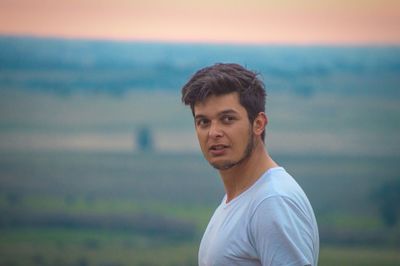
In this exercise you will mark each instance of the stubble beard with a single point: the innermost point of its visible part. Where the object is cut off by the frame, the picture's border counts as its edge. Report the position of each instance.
(246, 154)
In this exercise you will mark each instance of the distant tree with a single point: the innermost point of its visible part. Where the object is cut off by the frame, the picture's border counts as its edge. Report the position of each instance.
(13, 199)
(387, 197)
(144, 139)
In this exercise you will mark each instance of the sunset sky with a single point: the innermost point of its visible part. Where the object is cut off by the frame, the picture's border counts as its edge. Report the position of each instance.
(224, 21)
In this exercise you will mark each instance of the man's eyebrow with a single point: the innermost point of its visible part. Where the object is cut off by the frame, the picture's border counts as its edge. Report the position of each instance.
(224, 112)
(228, 111)
(200, 116)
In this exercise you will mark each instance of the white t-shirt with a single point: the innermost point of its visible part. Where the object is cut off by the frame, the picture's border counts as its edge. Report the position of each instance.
(271, 223)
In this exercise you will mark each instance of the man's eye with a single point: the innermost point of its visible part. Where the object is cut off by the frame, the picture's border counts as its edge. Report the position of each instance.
(202, 122)
(228, 119)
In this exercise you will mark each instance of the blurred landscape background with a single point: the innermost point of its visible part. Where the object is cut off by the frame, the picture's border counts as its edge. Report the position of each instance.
(99, 163)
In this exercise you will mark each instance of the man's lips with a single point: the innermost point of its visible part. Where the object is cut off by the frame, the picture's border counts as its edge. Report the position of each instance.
(218, 149)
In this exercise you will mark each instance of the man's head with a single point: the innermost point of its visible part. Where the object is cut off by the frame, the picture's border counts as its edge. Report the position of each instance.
(221, 79)
(227, 103)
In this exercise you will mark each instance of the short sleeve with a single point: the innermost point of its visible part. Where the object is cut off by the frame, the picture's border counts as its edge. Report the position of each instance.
(281, 233)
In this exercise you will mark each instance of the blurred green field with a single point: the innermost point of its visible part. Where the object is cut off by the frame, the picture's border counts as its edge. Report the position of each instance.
(61, 208)
(88, 247)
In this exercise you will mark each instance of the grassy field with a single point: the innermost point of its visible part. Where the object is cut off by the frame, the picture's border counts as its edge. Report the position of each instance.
(88, 247)
(151, 209)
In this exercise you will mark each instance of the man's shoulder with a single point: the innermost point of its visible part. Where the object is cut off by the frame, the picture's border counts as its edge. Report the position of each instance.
(278, 184)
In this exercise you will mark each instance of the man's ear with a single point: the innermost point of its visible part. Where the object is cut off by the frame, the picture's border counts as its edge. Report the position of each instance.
(259, 124)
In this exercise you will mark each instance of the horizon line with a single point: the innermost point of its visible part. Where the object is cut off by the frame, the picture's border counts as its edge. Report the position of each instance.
(196, 42)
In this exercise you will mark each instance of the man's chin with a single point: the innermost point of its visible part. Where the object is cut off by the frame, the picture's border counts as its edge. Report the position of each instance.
(225, 165)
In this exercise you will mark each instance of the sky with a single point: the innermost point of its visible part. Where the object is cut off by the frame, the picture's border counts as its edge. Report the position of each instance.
(224, 21)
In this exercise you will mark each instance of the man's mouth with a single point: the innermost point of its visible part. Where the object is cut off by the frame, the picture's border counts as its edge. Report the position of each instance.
(218, 150)
(218, 147)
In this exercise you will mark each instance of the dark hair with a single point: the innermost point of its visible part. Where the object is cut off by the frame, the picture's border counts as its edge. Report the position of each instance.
(222, 79)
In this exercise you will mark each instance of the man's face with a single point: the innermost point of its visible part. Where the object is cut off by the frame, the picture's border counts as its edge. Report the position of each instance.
(223, 130)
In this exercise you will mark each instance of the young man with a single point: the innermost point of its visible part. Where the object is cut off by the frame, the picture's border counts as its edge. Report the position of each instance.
(264, 218)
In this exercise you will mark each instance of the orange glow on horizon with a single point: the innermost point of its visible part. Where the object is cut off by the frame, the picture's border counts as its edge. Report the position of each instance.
(251, 21)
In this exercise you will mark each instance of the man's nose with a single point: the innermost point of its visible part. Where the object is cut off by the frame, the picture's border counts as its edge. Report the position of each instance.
(215, 130)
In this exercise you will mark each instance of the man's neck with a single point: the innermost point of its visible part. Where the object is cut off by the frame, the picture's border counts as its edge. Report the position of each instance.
(240, 177)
